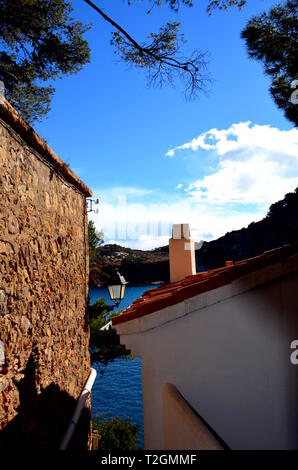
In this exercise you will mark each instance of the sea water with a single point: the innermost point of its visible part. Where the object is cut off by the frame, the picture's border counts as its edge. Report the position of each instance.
(117, 391)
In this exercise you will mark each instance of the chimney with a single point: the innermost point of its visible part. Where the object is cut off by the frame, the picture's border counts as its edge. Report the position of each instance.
(181, 253)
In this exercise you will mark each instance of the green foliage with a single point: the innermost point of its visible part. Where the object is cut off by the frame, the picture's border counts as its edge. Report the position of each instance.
(161, 56)
(224, 4)
(98, 316)
(174, 4)
(166, 42)
(116, 434)
(272, 38)
(95, 239)
(104, 344)
(133, 259)
(40, 43)
(99, 308)
(211, 4)
(95, 324)
(105, 347)
(284, 211)
(278, 228)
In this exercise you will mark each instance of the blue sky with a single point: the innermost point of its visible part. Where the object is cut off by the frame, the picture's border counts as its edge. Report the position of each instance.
(155, 159)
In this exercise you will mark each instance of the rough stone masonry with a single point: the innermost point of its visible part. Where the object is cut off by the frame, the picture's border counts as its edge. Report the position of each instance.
(44, 360)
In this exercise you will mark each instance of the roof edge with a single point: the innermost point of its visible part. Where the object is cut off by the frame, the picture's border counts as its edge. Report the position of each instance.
(11, 117)
(280, 261)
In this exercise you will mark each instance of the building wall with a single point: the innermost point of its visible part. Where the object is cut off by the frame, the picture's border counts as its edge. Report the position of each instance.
(43, 282)
(179, 416)
(231, 362)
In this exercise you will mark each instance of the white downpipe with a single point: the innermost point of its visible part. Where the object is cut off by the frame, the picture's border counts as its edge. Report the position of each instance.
(77, 412)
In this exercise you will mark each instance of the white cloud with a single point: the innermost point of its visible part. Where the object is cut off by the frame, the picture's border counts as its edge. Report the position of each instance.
(170, 153)
(243, 135)
(256, 164)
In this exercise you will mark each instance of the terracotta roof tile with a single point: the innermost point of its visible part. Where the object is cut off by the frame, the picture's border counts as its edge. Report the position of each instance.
(170, 294)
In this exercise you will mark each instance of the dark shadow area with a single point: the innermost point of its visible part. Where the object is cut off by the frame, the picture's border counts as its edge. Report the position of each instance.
(86, 324)
(43, 418)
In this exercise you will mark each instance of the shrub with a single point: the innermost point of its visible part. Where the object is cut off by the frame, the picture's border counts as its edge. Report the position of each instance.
(99, 308)
(116, 434)
(104, 345)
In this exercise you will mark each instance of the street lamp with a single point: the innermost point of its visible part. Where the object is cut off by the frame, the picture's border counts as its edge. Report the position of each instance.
(117, 288)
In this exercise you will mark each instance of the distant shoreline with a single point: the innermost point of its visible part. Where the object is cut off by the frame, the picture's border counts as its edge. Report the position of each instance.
(134, 284)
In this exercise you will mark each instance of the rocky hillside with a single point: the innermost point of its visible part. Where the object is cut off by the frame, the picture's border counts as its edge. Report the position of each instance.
(137, 266)
(278, 228)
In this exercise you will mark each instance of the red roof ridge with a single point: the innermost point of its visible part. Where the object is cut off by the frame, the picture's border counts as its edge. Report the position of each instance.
(170, 294)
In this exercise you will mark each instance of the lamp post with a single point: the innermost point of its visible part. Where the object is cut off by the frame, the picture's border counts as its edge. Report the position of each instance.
(117, 288)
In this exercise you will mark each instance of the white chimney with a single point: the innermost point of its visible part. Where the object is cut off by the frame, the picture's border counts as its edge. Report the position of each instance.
(181, 253)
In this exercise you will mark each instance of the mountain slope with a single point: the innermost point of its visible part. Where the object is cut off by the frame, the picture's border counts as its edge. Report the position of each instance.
(278, 228)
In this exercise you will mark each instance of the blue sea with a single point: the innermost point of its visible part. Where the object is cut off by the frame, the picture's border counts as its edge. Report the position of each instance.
(117, 392)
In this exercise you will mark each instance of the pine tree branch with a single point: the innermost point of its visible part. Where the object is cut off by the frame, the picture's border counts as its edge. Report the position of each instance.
(153, 55)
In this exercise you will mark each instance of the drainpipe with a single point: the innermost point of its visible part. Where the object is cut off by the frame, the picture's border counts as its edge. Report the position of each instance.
(77, 413)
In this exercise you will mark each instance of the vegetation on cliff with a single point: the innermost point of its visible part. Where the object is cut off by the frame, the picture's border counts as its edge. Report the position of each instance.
(116, 434)
(279, 227)
(95, 239)
(137, 266)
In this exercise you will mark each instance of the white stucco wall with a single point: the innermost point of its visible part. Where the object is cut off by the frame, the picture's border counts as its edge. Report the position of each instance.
(192, 431)
(231, 362)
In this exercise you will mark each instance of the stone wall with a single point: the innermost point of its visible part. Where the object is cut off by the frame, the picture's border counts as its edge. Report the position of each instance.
(43, 289)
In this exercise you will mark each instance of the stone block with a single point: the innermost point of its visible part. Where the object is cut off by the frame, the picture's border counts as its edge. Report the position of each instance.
(24, 324)
(2, 362)
(3, 302)
(12, 224)
(38, 279)
(5, 248)
(3, 157)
